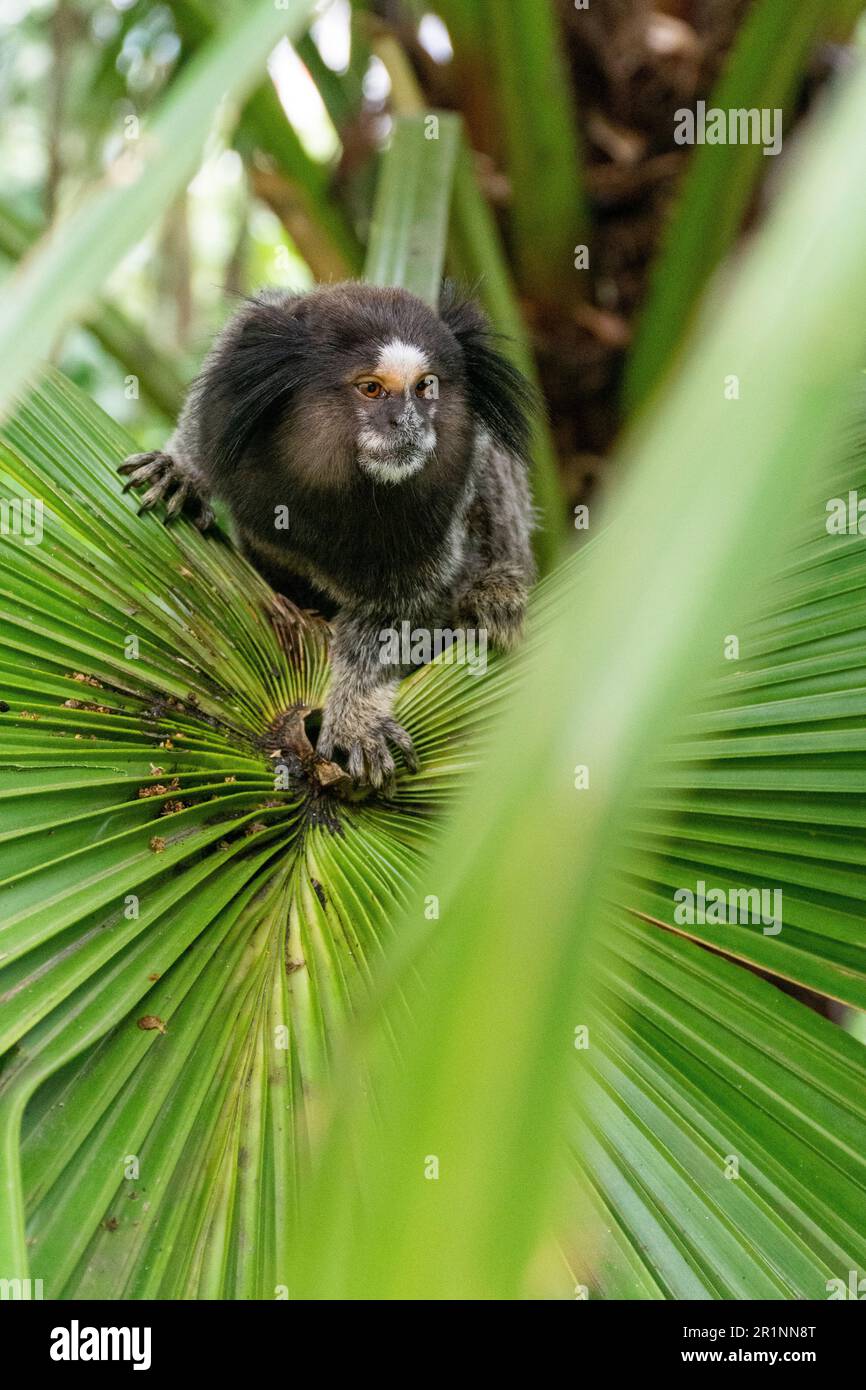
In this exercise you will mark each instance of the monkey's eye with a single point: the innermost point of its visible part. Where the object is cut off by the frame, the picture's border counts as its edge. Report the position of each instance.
(371, 389)
(428, 388)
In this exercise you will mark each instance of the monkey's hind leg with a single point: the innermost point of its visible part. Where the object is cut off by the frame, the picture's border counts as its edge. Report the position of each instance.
(171, 480)
(358, 719)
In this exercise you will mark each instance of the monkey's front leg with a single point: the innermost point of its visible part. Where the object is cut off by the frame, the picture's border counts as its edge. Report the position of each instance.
(495, 602)
(172, 479)
(358, 717)
(494, 594)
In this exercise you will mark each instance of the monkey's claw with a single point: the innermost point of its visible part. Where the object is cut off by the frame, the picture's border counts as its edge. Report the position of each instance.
(166, 482)
(369, 760)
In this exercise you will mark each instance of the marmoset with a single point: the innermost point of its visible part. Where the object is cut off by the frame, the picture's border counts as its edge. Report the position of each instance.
(372, 454)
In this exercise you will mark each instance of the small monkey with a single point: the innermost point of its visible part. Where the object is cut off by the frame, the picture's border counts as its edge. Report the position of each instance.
(394, 440)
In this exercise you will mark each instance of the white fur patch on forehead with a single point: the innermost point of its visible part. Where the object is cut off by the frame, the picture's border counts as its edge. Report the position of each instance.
(403, 362)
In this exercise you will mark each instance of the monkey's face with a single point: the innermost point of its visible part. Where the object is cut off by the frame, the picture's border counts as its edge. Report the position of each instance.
(396, 406)
(354, 384)
(394, 380)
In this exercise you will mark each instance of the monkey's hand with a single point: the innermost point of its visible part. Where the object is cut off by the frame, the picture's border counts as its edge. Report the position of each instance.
(362, 727)
(358, 719)
(495, 602)
(175, 482)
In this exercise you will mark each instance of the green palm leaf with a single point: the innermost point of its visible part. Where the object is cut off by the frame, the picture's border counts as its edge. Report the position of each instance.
(700, 1062)
(153, 870)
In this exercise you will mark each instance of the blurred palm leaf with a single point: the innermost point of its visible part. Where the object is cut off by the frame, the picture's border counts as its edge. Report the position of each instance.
(763, 72)
(410, 217)
(70, 264)
(294, 184)
(543, 158)
(159, 376)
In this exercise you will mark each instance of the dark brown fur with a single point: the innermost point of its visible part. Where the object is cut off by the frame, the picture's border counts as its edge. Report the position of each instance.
(274, 421)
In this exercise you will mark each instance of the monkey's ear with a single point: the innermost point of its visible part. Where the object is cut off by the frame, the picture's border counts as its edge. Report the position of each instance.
(260, 360)
(499, 395)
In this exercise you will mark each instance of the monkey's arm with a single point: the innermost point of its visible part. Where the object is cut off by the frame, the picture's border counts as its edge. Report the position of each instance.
(501, 568)
(358, 719)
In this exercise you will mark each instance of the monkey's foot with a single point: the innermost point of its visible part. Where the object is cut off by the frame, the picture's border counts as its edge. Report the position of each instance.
(369, 760)
(496, 604)
(167, 481)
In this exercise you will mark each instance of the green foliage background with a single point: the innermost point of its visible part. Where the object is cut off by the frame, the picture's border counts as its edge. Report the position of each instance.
(234, 1035)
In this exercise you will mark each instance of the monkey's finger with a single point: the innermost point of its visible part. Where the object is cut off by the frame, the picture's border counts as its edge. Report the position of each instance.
(206, 516)
(135, 461)
(176, 501)
(325, 746)
(143, 475)
(154, 494)
(154, 460)
(381, 769)
(355, 764)
(398, 735)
